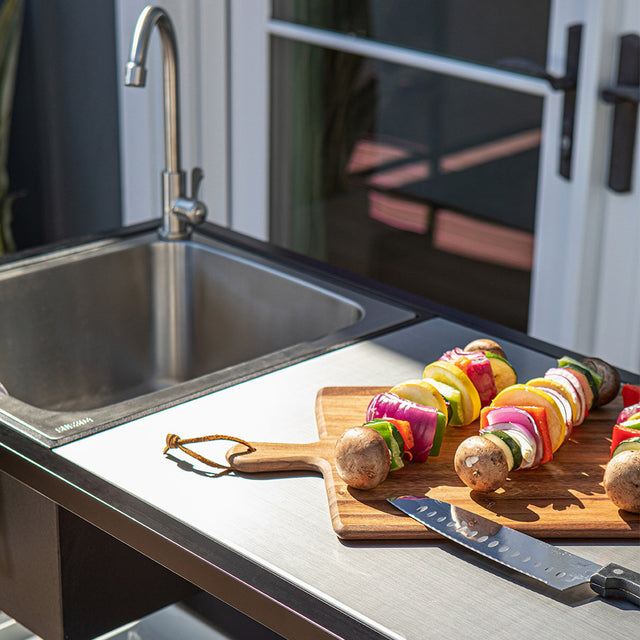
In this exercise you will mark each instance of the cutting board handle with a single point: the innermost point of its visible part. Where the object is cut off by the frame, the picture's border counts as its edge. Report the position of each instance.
(274, 456)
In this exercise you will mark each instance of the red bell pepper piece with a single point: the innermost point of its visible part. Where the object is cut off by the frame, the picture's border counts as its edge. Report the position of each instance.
(630, 394)
(621, 433)
(478, 368)
(404, 427)
(539, 414)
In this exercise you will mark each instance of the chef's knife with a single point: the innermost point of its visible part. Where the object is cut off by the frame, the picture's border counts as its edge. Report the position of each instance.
(551, 565)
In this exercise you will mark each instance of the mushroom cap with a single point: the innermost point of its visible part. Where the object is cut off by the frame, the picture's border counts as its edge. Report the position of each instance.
(481, 464)
(622, 480)
(486, 344)
(362, 457)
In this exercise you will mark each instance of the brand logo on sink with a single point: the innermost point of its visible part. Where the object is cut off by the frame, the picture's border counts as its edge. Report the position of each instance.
(72, 425)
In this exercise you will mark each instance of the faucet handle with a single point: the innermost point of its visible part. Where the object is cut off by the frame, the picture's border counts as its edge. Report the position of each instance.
(196, 178)
(191, 210)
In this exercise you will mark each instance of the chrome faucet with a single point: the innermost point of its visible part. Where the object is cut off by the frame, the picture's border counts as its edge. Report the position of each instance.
(179, 212)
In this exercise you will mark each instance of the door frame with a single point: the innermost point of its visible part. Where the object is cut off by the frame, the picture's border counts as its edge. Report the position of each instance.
(573, 302)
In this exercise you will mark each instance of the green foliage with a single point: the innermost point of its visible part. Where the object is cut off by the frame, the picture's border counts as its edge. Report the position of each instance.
(11, 13)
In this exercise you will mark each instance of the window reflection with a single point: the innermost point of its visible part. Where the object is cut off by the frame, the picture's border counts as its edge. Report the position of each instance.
(421, 181)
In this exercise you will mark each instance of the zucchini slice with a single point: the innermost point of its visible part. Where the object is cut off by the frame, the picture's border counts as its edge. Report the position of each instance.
(509, 446)
(627, 445)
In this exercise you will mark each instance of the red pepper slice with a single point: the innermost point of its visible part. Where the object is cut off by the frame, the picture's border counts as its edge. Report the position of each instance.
(621, 433)
(539, 414)
(404, 427)
(478, 369)
(630, 394)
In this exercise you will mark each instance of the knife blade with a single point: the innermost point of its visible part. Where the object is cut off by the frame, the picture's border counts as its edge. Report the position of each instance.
(551, 565)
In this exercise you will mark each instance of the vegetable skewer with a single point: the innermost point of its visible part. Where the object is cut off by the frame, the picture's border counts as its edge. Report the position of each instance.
(411, 417)
(556, 403)
(521, 425)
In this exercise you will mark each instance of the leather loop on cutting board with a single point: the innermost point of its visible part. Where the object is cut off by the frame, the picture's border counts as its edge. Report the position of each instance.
(175, 442)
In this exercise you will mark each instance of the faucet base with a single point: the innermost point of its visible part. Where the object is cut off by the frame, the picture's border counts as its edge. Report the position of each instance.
(170, 235)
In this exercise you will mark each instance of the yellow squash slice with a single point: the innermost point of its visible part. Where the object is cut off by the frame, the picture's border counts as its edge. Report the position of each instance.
(448, 373)
(503, 373)
(422, 392)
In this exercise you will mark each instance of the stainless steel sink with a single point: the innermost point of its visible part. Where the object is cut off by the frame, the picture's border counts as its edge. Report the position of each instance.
(99, 334)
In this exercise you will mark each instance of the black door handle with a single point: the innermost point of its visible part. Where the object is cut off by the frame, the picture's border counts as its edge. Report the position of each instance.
(530, 68)
(624, 97)
(621, 93)
(567, 83)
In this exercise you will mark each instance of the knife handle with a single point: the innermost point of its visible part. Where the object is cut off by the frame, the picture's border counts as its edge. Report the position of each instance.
(614, 581)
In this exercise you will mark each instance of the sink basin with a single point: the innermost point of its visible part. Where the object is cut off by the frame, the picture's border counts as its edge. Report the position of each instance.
(101, 333)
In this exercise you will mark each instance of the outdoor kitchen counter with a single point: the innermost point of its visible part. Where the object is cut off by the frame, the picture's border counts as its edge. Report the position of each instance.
(274, 533)
(265, 544)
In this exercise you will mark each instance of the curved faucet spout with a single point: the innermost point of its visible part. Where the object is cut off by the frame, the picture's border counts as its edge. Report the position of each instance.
(179, 213)
(135, 75)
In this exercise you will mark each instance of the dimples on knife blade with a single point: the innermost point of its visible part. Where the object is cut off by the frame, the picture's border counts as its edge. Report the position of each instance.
(551, 565)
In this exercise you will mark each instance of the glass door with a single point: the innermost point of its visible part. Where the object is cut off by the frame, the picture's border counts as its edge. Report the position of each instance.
(401, 151)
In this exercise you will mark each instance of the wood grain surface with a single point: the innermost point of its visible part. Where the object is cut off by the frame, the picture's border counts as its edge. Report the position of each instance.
(561, 499)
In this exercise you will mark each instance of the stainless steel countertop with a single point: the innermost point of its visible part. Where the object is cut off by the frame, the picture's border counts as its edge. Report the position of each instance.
(281, 522)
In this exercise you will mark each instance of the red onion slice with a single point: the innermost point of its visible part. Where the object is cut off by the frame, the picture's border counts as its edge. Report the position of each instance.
(573, 386)
(423, 420)
(627, 412)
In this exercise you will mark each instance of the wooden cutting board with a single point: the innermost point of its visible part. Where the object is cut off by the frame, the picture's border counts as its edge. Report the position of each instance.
(561, 499)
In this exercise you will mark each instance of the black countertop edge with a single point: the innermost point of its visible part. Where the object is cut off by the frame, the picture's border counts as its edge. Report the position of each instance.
(272, 600)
